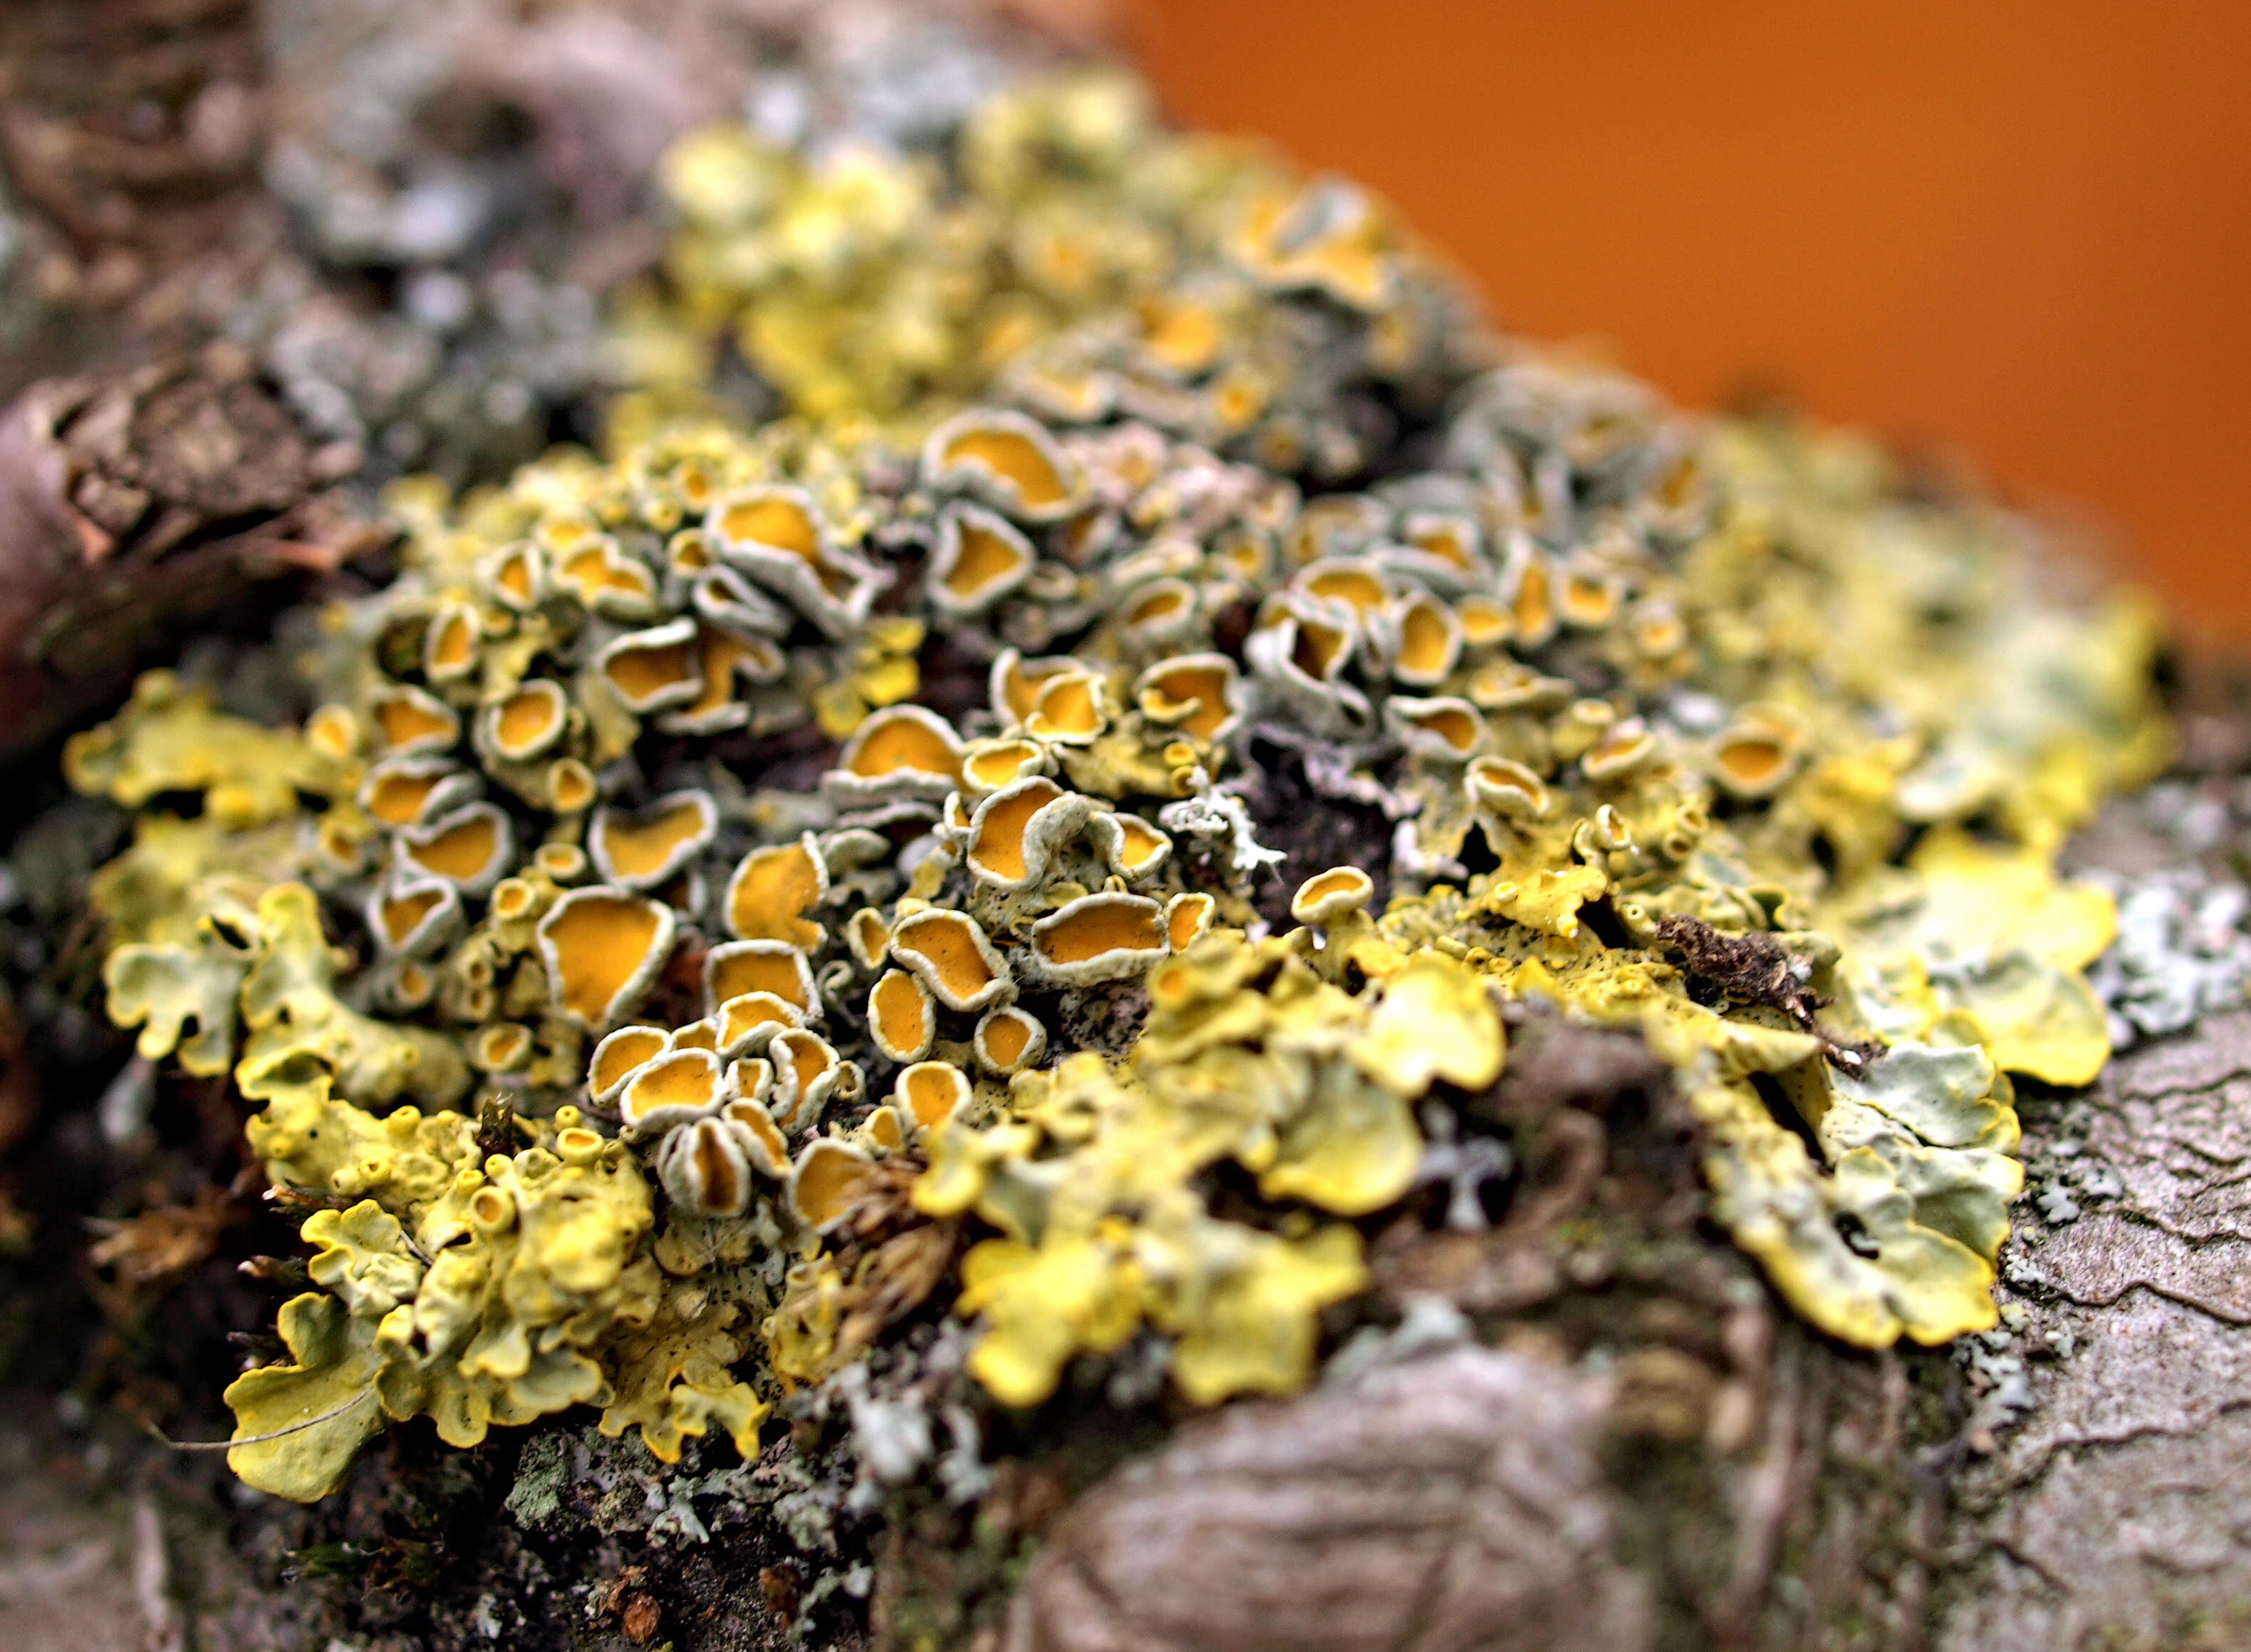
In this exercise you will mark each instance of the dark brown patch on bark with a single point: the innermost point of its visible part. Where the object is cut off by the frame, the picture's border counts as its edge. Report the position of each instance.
(135, 502)
(1313, 833)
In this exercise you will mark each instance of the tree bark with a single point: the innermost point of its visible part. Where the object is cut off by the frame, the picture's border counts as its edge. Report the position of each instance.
(1618, 1440)
(2120, 1505)
(1871, 1501)
(133, 503)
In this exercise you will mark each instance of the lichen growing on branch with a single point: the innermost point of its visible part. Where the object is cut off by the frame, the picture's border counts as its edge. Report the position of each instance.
(740, 892)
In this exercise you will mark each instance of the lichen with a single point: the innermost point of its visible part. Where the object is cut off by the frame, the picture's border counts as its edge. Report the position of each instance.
(1062, 244)
(472, 1288)
(2183, 948)
(822, 846)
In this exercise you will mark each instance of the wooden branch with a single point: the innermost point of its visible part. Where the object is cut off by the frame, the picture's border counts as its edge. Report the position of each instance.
(2097, 1491)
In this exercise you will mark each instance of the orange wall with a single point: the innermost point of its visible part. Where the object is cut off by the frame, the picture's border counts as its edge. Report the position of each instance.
(2022, 231)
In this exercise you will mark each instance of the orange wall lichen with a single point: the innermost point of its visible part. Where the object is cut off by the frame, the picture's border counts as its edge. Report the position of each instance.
(2019, 231)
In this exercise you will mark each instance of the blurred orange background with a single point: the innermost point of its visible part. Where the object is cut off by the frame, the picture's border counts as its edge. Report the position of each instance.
(2018, 231)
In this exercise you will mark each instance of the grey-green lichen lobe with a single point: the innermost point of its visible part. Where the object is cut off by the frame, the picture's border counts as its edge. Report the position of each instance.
(2177, 867)
(542, 1474)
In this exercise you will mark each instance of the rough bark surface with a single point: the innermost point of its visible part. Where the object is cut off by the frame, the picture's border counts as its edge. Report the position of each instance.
(1452, 1504)
(134, 501)
(2099, 1499)
(2118, 1510)
(130, 133)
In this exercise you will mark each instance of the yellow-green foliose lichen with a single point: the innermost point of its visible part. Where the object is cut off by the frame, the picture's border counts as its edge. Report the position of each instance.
(1070, 528)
